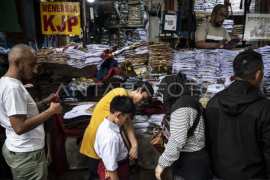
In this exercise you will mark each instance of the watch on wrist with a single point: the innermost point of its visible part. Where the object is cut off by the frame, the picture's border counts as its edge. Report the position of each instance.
(43, 103)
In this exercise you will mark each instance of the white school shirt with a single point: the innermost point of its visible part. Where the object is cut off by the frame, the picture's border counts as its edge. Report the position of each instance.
(15, 100)
(109, 145)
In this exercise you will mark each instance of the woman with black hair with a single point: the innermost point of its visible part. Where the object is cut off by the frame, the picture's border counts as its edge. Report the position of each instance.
(185, 149)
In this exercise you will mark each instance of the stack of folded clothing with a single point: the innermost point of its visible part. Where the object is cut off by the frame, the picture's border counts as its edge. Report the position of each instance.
(228, 25)
(237, 30)
(235, 4)
(265, 51)
(156, 119)
(226, 62)
(77, 89)
(143, 34)
(134, 15)
(207, 65)
(57, 58)
(139, 62)
(123, 37)
(252, 6)
(154, 81)
(184, 61)
(122, 9)
(78, 118)
(94, 52)
(157, 108)
(198, 6)
(160, 54)
(142, 50)
(131, 82)
(114, 40)
(49, 86)
(140, 123)
(42, 55)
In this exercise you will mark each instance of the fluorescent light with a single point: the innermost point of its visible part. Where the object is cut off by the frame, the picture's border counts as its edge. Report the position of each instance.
(90, 1)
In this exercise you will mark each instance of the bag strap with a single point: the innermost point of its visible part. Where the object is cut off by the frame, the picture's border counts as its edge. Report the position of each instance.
(197, 120)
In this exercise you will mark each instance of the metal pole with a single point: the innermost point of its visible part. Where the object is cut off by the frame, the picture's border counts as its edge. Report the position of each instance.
(84, 23)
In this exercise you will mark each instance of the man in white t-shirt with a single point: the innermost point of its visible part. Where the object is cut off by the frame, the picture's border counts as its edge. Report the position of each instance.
(24, 147)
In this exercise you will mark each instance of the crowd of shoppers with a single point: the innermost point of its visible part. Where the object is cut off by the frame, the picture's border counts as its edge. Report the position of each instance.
(230, 139)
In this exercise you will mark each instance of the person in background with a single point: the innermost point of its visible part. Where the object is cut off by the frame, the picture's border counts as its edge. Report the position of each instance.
(143, 92)
(36, 94)
(24, 147)
(109, 144)
(238, 124)
(211, 35)
(185, 151)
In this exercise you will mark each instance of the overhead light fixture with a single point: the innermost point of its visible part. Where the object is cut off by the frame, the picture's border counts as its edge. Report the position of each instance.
(90, 1)
(92, 14)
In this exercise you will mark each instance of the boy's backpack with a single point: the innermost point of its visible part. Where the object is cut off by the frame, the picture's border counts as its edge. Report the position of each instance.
(167, 118)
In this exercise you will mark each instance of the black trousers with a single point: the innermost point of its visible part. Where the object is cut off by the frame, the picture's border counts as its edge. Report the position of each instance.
(191, 165)
(93, 168)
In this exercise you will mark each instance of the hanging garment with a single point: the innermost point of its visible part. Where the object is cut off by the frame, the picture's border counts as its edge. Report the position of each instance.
(8, 17)
(59, 138)
(18, 37)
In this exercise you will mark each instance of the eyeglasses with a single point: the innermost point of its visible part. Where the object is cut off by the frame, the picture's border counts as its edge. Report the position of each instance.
(223, 15)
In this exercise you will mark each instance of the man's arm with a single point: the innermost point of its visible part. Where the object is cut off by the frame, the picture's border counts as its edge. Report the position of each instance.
(48, 141)
(133, 153)
(21, 124)
(113, 175)
(48, 100)
(206, 45)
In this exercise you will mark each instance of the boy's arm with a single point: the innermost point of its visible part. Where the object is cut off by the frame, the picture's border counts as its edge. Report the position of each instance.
(113, 175)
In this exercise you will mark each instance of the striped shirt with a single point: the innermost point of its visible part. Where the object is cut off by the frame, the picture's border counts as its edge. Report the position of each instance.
(182, 120)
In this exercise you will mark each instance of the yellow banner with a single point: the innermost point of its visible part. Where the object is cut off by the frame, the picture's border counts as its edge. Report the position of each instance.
(60, 18)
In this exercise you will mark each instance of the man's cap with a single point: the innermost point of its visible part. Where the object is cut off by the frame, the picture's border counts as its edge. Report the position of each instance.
(146, 87)
(127, 69)
(218, 7)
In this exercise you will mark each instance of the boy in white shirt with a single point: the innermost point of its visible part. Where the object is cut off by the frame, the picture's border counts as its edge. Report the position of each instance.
(109, 143)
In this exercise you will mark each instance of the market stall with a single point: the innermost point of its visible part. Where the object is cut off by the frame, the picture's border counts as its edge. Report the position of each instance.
(119, 53)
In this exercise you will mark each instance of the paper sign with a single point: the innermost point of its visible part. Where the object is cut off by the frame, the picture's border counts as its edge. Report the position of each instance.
(257, 27)
(170, 22)
(60, 18)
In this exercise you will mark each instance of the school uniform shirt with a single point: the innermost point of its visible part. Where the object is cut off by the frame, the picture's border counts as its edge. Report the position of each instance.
(101, 111)
(15, 100)
(206, 32)
(109, 145)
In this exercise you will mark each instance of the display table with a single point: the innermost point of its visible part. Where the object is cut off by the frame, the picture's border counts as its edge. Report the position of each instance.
(148, 155)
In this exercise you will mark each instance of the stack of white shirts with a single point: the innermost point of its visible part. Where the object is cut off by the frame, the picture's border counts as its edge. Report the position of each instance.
(207, 64)
(265, 51)
(198, 6)
(207, 6)
(94, 52)
(226, 62)
(156, 119)
(236, 7)
(142, 50)
(252, 6)
(140, 123)
(228, 25)
(143, 34)
(184, 61)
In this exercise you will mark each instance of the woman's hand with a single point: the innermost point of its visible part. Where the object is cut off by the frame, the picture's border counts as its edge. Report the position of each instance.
(159, 171)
